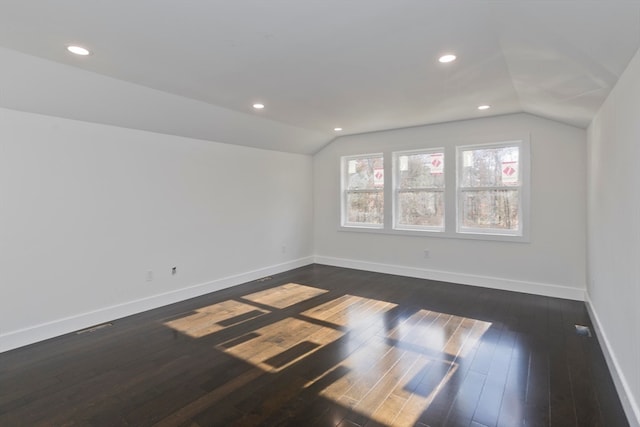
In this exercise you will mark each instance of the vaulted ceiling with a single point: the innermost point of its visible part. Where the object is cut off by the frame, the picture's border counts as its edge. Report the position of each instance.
(194, 67)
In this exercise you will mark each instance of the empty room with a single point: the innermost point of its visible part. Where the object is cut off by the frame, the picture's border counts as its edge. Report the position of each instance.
(319, 213)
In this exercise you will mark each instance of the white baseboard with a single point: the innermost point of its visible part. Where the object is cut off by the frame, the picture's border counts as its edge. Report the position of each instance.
(36, 333)
(629, 404)
(41, 332)
(464, 279)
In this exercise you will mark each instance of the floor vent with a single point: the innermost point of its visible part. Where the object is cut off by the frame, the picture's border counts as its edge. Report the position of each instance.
(583, 331)
(264, 279)
(94, 328)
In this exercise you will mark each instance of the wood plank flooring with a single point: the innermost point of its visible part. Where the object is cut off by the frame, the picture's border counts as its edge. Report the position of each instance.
(323, 346)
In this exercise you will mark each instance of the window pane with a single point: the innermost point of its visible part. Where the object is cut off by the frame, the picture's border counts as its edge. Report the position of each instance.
(492, 209)
(365, 208)
(423, 170)
(365, 173)
(490, 167)
(421, 208)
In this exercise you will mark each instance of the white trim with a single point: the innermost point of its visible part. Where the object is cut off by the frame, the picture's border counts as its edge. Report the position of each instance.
(433, 233)
(535, 288)
(450, 230)
(41, 332)
(629, 403)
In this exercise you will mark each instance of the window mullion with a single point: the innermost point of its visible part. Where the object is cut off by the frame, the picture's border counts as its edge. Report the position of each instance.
(419, 189)
(363, 190)
(389, 180)
(501, 188)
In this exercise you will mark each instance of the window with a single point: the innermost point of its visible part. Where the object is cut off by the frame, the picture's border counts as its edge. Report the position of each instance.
(419, 190)
(483, 194)
(489, 195)
(363, 191)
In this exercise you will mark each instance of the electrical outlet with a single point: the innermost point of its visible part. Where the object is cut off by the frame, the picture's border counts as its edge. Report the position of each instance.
(174, 270)
(284, 249)
(427, 254)
(149, 275)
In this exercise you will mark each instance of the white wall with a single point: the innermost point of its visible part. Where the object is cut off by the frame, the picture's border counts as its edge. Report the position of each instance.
(614, 232)
(87, 209)
(552, 263)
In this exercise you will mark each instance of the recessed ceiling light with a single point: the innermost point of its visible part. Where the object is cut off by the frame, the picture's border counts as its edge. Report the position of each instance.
(337, 129)
(484, 107)
(447, 58)
(258, 106)
(78, 50)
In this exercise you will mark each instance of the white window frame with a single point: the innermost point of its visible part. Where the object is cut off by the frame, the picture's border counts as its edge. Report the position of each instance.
(344, 191)
(397, 191)
(521, 233)
(451, 173)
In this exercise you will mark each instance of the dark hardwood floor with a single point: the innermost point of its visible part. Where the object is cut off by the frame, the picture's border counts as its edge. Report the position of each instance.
(323, 346)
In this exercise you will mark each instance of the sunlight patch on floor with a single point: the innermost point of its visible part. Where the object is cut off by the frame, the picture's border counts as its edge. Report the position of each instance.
(396, 375)
(284, 296)
(214, 318)
(281, 344)
(393, 362)
(350, 311)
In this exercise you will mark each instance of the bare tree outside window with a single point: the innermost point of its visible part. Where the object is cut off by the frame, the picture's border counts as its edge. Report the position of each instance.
(419, 190)
(363, 184)
(489, 189)
(483, 194)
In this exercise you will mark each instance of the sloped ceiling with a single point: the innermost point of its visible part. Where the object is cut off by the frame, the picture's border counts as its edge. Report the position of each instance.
(194, 67)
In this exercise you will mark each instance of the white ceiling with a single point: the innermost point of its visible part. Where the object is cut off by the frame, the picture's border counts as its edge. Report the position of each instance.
(195, 67)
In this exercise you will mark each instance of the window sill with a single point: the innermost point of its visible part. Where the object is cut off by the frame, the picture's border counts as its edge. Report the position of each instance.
(436, 234)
